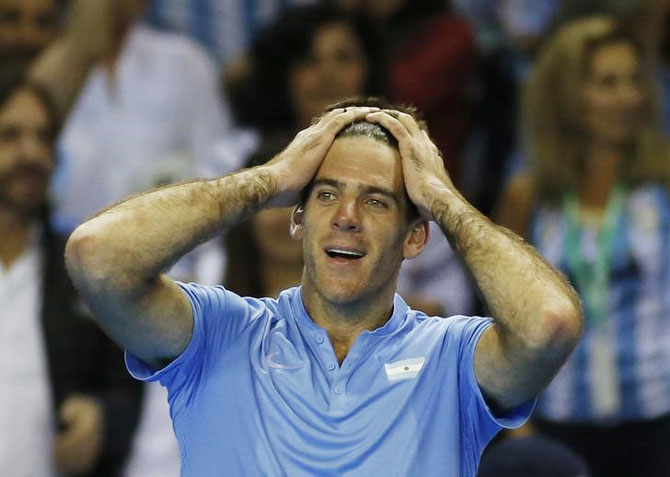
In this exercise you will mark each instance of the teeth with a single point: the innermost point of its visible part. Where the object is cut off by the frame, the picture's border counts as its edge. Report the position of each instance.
(345, 252)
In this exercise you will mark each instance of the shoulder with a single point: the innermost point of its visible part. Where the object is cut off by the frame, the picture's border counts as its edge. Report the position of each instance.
(213, 302)
(457, 330)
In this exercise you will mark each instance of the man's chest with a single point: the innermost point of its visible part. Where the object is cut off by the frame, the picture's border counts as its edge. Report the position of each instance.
(291, 401)
(284, 376)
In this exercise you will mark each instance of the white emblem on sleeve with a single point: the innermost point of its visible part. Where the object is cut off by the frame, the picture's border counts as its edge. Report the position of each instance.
(405, 369)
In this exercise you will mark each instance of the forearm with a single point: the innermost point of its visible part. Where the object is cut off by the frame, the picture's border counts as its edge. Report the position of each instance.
(63, 67)
(62, 70)
(526, 296)
(134, 241)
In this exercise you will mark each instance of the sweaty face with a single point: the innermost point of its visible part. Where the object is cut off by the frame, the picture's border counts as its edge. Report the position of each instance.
(26, 26)
(334, 69)
(26, 158)
(613, 97)
(355, 225)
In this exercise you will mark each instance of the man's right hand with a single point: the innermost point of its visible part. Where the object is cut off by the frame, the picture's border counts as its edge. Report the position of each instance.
(295, 166)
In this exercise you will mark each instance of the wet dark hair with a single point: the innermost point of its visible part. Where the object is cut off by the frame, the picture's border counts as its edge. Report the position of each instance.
(264, 100)
(370, 130)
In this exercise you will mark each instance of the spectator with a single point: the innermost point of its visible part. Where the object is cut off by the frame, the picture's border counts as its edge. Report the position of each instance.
(66, 403)
(291, 60)
(595, 202)
(149, 112)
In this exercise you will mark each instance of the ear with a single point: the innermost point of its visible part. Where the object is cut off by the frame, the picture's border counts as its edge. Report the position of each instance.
(416, 239)
(296, 228)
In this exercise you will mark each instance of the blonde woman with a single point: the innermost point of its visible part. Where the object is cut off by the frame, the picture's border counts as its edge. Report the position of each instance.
(594, 199)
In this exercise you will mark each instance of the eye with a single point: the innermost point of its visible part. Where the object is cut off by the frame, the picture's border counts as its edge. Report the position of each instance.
(9, 133)
(376, 203)
(44, 134)
(325, 195)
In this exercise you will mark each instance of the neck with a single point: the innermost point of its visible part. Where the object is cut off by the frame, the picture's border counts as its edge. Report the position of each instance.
(278, 275)
(601, 169)
(14, 235)
(344, 322)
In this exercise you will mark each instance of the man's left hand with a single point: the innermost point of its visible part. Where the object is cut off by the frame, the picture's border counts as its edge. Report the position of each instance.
(422, 164)
(77, 447)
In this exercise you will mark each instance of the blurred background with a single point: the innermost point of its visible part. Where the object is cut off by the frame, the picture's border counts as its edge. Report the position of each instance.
(553, 118)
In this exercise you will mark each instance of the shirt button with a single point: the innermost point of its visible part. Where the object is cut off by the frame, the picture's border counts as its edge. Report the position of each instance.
(331, 366)
(338, 389)
(319, 339)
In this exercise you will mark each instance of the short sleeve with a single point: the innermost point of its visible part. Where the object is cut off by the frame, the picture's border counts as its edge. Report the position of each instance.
(219, 316)
(478, 420)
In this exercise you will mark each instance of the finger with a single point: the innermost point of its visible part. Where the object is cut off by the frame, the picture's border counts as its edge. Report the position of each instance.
(391, 123)
(337, 122)
(407, 120)
(330, 115)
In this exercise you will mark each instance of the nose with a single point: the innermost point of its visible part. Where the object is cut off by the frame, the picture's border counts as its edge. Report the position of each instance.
(32, 148)
(346, 217)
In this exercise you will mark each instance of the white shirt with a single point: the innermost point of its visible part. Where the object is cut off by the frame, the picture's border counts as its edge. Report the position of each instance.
(26, 427)
(158, 121)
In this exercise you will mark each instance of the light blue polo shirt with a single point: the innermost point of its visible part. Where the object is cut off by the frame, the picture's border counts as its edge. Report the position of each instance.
(259, 391)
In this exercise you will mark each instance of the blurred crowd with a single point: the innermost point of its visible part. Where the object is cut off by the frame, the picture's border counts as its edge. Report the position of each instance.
(553, 117)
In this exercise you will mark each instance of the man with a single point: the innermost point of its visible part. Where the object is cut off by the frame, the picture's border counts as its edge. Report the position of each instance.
(338, 376)
(140, 107)
(66, 405)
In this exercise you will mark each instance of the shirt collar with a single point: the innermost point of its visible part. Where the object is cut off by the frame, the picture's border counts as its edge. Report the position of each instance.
(398, 317)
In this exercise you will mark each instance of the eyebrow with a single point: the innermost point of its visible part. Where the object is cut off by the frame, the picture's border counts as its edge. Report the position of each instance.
(368, 189)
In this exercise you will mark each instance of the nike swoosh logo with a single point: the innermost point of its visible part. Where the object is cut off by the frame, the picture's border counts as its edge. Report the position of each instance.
(271, 363)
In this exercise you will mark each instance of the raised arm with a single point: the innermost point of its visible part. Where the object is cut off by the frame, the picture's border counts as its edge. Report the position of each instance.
(117, 258)
(62, 68)
(538, 318)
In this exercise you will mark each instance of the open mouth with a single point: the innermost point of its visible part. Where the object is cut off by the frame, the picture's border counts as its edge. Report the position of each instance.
(346, 254)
